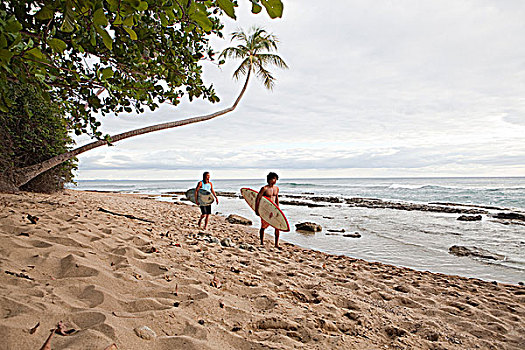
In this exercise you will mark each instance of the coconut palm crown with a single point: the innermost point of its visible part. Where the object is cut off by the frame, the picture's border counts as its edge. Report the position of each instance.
(254, 50)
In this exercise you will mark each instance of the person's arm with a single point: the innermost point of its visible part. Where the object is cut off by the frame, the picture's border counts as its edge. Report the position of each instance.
(277, 197)
(199, 185)
(258, 200)
(213, 192)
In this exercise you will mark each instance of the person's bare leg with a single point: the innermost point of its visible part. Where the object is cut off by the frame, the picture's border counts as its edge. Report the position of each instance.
(200, 220)
(276, 238)
(261, 234)
(206, 221)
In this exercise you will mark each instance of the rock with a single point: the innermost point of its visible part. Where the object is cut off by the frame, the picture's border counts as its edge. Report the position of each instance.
(308, 226)
(237, 219)
(227, 242)
(353, 235)
(510, 216)
(306, 204)
(474, 251)
(469, 218)
(145, 333)
(341, 230)
(215, 240)
(247, 247)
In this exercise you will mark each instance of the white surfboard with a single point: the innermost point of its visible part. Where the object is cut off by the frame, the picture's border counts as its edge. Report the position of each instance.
(268, 211)
(205, 197)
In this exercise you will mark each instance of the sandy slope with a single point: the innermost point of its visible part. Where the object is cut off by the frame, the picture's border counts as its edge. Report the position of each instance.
(106, 276)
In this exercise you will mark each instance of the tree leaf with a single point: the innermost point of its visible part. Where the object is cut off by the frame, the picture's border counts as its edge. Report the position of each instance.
(3, 41)
(45, 13)
(107, 73)
(57, 45)
(143, 6)
(131, 33)
(118, 20)
(99, 18)
(128, 21)
(69, 19)
(35, 52)
(108, 42)
(201, 17)
(228, 6)
(273, 7)
(13, 26)
(5, 55)
(256, 8)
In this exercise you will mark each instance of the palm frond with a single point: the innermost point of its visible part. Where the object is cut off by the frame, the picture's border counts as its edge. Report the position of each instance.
(239, 35)
(271, 59)
(234, 52)
(266, 77)
(242, 69)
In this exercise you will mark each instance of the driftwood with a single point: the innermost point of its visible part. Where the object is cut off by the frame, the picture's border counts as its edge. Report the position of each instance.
(125, 215)
(20, 275)
(47, 344)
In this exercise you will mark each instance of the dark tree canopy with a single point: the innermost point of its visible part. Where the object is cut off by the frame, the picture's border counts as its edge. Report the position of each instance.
(140, 53)
(33, 131)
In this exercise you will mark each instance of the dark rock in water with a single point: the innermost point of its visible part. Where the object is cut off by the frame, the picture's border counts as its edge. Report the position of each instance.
(474, 251)
(509, 216)
(353, 235)
(237, 219)
(308, 226)
(306, 204)
(327, 199)
(378, 203)
(341, 230)
(469, 218)
(227, 194)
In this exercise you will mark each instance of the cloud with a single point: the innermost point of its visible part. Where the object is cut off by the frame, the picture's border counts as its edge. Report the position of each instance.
(413, 86)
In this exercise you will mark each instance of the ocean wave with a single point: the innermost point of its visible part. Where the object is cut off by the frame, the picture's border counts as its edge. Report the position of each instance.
(417, 187)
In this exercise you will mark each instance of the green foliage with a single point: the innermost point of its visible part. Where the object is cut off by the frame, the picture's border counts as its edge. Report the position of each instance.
(111, 56)
(33, 131)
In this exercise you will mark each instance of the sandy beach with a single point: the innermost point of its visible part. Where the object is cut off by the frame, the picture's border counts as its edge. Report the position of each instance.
(150, 279)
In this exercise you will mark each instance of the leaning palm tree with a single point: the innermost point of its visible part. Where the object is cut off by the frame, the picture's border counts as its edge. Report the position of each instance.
(253, 50)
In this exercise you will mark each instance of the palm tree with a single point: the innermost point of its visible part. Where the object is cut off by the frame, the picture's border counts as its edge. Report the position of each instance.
(253, 52)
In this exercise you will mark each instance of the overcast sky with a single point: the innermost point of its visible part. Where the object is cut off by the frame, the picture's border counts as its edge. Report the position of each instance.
(374, 89)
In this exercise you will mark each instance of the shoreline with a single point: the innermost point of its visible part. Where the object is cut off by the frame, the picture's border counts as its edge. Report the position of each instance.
(485, 263)
(107, 276)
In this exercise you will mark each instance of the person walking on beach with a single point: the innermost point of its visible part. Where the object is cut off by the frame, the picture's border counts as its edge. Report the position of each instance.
(205, 184)
(270, 191)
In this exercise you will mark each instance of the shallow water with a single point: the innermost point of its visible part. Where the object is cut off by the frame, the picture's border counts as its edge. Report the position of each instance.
(414, 239)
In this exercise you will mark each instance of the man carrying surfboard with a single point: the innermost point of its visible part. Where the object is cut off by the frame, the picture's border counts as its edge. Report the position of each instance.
(270, 191)
(206, 185)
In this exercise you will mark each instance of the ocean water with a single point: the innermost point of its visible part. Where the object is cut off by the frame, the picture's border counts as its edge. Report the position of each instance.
(415, 239)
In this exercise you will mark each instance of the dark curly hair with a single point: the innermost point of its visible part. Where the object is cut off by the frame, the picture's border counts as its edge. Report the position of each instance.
(272, 175)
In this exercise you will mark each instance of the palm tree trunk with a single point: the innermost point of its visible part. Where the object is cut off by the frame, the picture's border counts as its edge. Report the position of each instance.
(24, 175)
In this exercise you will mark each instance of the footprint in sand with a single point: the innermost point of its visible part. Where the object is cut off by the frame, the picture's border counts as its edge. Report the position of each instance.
(79, 297)
(40, 244)
(68, 242)
(129, 252)
(72, 266)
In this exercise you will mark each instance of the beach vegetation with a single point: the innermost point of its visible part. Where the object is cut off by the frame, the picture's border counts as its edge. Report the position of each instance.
(34, 130)
(90, 58)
